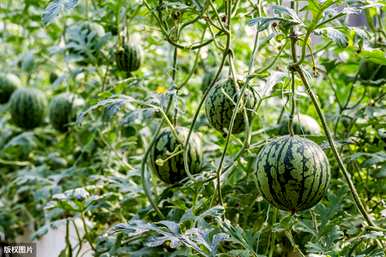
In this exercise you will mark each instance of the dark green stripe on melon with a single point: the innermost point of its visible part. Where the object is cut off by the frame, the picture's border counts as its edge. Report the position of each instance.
(293, 173)
(172, 170)
(63, 109)
(302, 125)
(8, 84)
(221, 102)
(28, 107)
(129, 58)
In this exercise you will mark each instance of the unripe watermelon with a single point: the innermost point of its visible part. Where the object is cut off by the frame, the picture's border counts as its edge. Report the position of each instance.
(172, 170)
(84, 41)
(372, 74)
(221, 102)
(293, 173)
(8, 84)
(129, 58)
(63, 109)
(302, 125)
(53, 77)
(28, 107)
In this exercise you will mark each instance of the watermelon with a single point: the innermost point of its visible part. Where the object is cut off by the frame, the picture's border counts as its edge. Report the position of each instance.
(28, 107)
(84, 42)
(302, 125)
(8, 84)
(221, 102)
(293, 173)
(53, 77)
(63, 109)
(372, 74)
(128, 58)
(172, 170)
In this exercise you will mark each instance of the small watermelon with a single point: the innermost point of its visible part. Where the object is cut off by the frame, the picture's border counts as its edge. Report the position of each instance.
(372, 74)
(8, 84)
(302, 125)
(129, 58)
(53, 77)
(28, 107)
(293, 173)
(172, 169)
(63, 109)
(221, 102)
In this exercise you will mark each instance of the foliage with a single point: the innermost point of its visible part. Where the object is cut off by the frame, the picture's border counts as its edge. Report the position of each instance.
(309, 57)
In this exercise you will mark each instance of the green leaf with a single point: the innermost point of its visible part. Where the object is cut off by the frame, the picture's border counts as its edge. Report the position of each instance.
(287, 13)
(335, 35)
(55, 7)
(374, 55)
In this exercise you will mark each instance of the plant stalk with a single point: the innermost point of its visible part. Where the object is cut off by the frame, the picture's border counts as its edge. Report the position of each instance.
(337, 156)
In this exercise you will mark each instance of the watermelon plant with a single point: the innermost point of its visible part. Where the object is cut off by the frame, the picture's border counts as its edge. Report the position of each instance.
(28, 108)
(241, 128)
(84, 42)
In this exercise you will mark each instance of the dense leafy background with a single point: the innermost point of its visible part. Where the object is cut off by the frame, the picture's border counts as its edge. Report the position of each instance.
(93, 171)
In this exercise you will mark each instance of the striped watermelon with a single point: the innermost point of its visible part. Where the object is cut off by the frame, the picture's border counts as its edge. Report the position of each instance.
(28, 107)
(8, 84)
(221, 102)
(172, 170)
(63, 109)
(53, 77)
(302, 125)
(293, 173)
(372, 74)
(129, 58)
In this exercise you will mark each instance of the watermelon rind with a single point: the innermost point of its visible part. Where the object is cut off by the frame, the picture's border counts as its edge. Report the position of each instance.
(293, 173)
(173, 170)
(28, 108)
(221, 102)
(63, 109)
(8, 84)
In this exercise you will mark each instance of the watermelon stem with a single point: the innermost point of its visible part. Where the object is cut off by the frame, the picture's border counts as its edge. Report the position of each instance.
(177, 151)
(206, 92)
(358, 202)
(232, 70)
(272, 238)
(296, 66)
(168, 38)
(292, 241)
(145, 179)
(291, 116)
